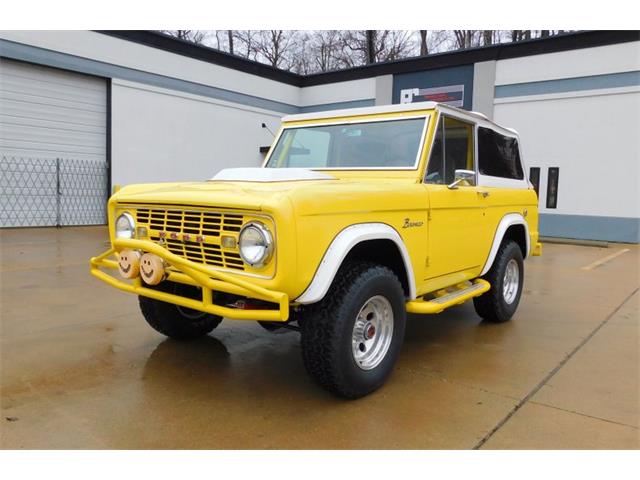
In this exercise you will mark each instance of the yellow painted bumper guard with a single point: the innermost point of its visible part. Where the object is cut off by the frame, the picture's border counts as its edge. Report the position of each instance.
(191, 273)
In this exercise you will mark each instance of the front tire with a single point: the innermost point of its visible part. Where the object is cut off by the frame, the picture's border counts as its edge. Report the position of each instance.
(174, 321)
(352, 338)
(506, 277)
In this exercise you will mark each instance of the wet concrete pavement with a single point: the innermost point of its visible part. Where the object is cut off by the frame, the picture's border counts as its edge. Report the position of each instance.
(81, 369)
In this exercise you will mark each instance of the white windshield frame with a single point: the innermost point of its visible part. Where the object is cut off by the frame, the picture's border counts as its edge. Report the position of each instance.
(426, 117)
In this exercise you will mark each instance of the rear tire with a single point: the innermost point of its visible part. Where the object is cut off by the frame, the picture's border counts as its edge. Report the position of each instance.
(351, 339)
(174, 321)
(506, 277)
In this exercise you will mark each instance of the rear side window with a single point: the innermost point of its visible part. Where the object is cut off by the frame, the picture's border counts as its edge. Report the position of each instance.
(498, 155)
(534, 177)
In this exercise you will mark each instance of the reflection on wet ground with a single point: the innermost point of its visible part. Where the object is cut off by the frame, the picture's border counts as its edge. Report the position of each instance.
(81, 369)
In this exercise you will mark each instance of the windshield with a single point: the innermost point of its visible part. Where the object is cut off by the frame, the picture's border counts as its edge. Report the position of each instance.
(382, 144)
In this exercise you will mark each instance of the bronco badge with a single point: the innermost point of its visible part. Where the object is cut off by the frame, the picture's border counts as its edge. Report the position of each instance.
(408, 223)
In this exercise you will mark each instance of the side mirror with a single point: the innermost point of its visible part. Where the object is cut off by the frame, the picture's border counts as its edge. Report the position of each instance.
(462, 177)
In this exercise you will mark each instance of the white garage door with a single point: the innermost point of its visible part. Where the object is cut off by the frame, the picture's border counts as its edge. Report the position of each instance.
(53, 168)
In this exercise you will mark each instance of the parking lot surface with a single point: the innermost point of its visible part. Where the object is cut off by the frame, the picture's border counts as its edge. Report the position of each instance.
(81, 369)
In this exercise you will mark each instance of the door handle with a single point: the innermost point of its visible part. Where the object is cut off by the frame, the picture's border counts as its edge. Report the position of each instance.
(483, 193)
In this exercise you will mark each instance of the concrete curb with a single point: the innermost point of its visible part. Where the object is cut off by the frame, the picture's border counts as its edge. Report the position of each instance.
(575, 241)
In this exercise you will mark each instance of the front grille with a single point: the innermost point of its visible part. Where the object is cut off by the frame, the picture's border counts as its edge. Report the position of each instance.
(169, 227)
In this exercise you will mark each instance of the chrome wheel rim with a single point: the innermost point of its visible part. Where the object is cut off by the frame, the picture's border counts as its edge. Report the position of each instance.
(511, 281)
(372, 332)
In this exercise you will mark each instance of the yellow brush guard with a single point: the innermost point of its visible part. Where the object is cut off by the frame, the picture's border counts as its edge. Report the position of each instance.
(191, 273)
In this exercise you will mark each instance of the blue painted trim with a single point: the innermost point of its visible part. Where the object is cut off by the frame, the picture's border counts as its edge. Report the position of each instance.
(369, 102)
(42, 56)
(51, 58)
(587, 227)
(576, 84)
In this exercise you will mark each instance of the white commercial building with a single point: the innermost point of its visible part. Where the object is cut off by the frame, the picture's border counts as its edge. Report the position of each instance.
(82, 111)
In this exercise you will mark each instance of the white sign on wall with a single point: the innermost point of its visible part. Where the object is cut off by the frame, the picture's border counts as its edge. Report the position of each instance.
(451, 95)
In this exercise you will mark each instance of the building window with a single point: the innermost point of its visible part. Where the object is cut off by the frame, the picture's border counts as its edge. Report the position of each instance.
(534, 178)
(552, 187)
(452, 150)
(499, 155)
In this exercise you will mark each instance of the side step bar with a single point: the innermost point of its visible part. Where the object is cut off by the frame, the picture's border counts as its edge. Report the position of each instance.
(463, 293)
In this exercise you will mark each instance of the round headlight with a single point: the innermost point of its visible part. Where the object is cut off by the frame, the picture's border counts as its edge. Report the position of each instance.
(256, 244)
(125, 226)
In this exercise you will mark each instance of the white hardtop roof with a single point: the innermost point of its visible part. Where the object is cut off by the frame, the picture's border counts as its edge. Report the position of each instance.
(402, 107)
(347, 112)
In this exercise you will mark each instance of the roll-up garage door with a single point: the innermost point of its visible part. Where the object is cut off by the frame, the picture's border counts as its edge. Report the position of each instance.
(53, 166)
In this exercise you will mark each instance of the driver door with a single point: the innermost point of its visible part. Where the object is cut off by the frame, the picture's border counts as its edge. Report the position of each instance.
(457, 213)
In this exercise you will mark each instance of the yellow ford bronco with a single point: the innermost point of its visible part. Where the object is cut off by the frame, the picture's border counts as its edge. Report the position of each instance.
(356, 218)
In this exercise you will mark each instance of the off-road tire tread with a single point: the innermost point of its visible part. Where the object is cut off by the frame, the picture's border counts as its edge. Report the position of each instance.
(320, 337)
(491, 306)
(166, 319)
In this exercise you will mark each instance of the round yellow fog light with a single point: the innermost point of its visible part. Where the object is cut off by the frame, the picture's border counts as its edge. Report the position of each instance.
(152, 269)
(129, 263)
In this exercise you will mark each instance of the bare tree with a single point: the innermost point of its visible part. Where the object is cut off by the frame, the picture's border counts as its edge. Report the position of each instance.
(248, 39)
(274, 45)
(353, 48)
(194, 36)
(302, 57)
(487, 37)
(394, 45)
(325, 49)
(424, 48)
(440, 40)
(220, 41)
(370, 46)
(230, 36)
(519, 35)
(466, 38)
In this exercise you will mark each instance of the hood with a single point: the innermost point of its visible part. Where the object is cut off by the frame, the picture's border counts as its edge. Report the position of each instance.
(241, 188)
(260, 189)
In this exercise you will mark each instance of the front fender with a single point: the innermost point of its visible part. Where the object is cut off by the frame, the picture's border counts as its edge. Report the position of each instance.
(341, 246)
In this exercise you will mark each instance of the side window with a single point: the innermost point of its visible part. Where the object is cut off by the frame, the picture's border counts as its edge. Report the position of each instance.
(309, 148)
(534, 177)
(498, 155)
(452, 150)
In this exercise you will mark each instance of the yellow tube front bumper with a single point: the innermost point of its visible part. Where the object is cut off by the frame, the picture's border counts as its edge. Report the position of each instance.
(191, 273)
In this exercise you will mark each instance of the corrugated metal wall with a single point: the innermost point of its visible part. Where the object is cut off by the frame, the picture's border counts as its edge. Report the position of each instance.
(52, 146)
